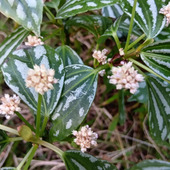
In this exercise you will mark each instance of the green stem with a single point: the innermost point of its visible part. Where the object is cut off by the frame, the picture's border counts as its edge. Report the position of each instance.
(136, 41)
(52, 17)
(44, 124)
(116, 40)
(102, 67)
(11, 140)
(8, 129)
(38, 115)
(52, 147)
(131, 26)
(25, 121)
(24, 159)
(35, 147)
(147, 69)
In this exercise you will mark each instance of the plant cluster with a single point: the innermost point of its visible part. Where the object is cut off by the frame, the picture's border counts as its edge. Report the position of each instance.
(59, 88)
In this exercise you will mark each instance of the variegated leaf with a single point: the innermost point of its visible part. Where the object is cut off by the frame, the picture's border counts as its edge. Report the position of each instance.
(77, 96)
(73, 7)
(152, 164)
(15, 73)
(76, 160)
(96, 24)
(11, 43)
(28, 13)
(147, 15)
(157, 57)
(159, 108)
(141, 95)
(113, 11)
(68, 55)
(8, 168)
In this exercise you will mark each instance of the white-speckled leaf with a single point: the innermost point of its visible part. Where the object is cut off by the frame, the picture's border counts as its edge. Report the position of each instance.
(113, 11)
(27, 13)
(157, 57)
(141, 94)
(159, 108)
(8, 168)
(73, 7)
(15, 73)
(77, 96)
(11, 43)
(147, 15)
(95, 24)
(68, 55)
(76, 160)
(152, 165)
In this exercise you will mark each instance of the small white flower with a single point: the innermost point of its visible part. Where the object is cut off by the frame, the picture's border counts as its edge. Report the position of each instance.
(166, 11)
(41, 79)
(100, 56)
(126, 77)
(121, 52)
(102, 73)
(85, 138)
(9, 105)
(33, 41)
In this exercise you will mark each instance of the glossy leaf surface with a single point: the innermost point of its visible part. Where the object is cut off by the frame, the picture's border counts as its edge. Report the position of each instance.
(73, 7)
(157, 57)
(11, 43)
(159, 108)
(113, 11)
(77, 96)
(96, 24)
(15, 73)
(152, 164)
(68, 55)
(141, 95)
(27, 13)
(81, 161)
(147, 15)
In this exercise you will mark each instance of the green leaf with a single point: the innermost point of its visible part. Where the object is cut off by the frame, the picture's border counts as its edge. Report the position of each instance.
(73, 7)
(76, 160)
(68, 55)
(112, 30)
(141, 95)
(114, 11)
(11, 43)
(8, 168)
(3, 140)
(95, 24)
(25, 12)
(147, 15)
(15, 73)
(157, 57)
(164, 34)
(152, 164)
(122, 111)
(77, 96)
(159, 108)
(53, 4)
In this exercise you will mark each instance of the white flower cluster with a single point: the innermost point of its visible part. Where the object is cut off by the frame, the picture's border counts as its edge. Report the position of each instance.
(100, 56)
(121, 52)
(85, 138)
(126, 77)
(9, 105)
(41, 79)
(166, 11)
(33, 41)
